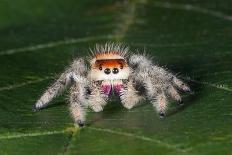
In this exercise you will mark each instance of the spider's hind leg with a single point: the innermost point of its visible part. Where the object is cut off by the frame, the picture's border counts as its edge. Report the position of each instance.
(181, 85)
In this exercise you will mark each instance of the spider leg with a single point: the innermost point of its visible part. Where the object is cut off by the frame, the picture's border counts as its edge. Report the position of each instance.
(181, 85)
(174, 94)
(83, 96)
(156, 95)
(77, 104)
(129, 96)
(157, 82)
(72, 74)
(97, 100)
(161, 104)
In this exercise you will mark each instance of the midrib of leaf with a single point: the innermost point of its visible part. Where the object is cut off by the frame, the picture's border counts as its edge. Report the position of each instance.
(74, 132)
(126, 20)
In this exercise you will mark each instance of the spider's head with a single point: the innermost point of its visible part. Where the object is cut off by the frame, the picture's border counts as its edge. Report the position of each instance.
(109, 64)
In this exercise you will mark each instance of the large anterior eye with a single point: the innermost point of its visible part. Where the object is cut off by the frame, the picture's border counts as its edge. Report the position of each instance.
(107, 71)
(115, 71)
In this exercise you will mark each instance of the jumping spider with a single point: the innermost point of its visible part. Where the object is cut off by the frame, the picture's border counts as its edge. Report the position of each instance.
(112, 70)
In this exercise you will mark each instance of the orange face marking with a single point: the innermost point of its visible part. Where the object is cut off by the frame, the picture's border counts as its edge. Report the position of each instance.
(110, 63)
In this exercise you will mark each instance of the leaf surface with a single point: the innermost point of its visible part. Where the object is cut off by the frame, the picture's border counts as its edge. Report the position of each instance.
(39, 38)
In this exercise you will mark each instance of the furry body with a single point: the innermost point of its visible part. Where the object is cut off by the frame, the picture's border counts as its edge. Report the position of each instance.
(113, 71)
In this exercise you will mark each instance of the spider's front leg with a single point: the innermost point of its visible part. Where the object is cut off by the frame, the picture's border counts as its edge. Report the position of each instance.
(78, 103)
(82, 96)
(158, 82)
(129, 96)
(96, 99)
(75, 71)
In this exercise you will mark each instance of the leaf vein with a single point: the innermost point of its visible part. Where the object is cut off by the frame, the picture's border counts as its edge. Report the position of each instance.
(31, 134)
(24, 84)
(222, 87)
(143, 138)
(52, 44)
(189, 7)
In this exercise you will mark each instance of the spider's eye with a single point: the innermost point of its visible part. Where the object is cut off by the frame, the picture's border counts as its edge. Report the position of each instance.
(115, 71)
(107, 71)
(100, 68)
(121, 66)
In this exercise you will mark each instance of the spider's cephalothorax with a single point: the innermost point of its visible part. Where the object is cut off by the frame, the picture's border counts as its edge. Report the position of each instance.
(132, 77)
(109, 66)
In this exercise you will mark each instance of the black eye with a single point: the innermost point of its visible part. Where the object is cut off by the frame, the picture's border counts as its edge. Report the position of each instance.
(100, 68)
(121, 67)
(115, 71)
(107, 71)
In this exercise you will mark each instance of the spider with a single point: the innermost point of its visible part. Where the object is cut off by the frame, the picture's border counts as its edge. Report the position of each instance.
(113, 70)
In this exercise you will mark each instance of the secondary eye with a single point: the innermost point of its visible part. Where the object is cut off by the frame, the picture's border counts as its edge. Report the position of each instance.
(100, 68)
(121, 66)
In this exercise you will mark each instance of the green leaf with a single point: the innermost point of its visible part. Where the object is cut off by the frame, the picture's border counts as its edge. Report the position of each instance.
(192, 38)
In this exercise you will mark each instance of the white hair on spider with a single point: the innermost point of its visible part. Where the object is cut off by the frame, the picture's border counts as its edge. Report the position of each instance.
(113, 71)
(108, 62)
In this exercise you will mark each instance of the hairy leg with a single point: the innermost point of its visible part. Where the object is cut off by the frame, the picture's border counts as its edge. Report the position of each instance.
(129, 96)
(78, 103)
(181, 85)
(78, 112)
(174, 94)
(96, 99)
(73, 74)
(160, 104)
(157, 82)
(145, 68)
